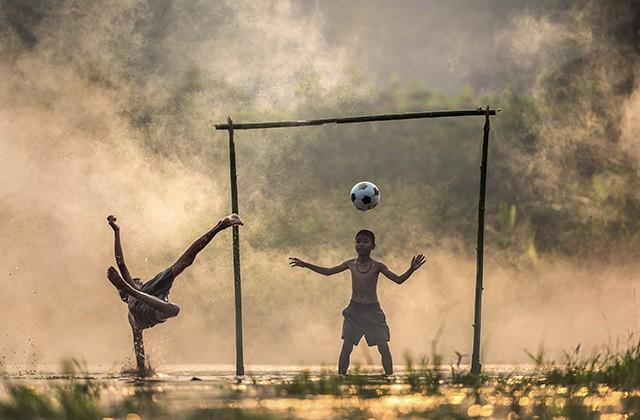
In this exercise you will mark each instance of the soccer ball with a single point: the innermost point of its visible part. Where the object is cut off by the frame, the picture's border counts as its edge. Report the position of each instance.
(365, 195)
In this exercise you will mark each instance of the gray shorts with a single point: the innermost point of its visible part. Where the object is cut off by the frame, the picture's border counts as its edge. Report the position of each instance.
(159, 286)
(365, 319)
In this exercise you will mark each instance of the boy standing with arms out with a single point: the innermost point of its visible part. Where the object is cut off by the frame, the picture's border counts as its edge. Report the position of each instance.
(364, 316)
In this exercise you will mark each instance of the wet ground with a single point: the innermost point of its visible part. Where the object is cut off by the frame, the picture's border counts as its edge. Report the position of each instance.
(199, 391)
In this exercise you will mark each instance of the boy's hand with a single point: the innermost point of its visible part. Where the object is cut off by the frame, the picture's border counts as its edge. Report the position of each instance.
(417, 261)
(296, 262)
(231, 220)
(111, 219)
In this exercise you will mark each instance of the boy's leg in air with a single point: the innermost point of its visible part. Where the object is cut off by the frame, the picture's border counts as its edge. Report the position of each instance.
(190, 254)
(161, 284)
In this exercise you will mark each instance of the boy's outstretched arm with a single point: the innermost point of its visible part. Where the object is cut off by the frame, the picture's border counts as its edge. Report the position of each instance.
(122, 266)
(327, 271)
(416, 262)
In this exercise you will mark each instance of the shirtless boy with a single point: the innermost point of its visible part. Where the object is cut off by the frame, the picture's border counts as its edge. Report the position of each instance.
(364, 316)
(148, 302)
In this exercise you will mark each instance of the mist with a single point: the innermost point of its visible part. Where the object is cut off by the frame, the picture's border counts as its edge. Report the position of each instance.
(109, 109)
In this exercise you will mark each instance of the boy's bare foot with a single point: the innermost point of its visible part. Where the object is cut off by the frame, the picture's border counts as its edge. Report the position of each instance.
(115, 279)
(111, 219)
(231, 220)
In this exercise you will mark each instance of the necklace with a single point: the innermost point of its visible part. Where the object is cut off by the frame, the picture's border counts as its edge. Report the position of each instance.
(364, 272)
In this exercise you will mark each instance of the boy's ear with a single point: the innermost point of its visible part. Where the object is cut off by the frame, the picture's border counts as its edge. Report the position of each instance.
(373, 246)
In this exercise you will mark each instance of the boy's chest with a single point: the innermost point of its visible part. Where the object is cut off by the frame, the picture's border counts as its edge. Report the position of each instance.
(362, 277)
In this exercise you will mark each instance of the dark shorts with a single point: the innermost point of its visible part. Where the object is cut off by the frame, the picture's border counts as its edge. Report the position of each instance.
(159, 286)
(365, 319)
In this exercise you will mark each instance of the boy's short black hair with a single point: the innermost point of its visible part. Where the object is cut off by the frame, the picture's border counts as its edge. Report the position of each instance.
(367, 233)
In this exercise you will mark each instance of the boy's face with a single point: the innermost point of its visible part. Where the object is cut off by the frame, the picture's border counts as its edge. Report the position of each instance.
(364, 246)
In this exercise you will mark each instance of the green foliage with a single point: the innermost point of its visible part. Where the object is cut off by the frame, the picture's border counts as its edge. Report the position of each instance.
(560, 181)
(619, 369)
(541, 198)
(303, 384)
(577, 390)
(359, 383)
(72, 400)
(425, 378)
(26, 403)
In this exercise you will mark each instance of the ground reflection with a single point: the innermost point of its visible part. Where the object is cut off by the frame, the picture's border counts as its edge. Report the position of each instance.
(311, 392)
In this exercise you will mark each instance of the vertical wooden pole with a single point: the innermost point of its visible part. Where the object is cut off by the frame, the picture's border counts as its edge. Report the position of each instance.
(138, 349)
(236, 252)
(477, 317)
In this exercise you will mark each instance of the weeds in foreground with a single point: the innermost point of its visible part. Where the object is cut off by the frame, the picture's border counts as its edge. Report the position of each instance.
(359, 383)
(617, 369)
(74, 399)
(423, 379)
(579, 388)
(304, 384)
(77, 397)
(26, 403)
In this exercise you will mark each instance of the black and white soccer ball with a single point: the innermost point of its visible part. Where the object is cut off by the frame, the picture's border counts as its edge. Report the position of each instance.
(365, 195)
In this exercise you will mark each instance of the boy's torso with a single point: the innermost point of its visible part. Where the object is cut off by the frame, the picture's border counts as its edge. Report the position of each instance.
(364, 280)
(142, 316)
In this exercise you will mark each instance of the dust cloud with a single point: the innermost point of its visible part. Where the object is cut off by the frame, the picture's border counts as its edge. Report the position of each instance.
(108, 109)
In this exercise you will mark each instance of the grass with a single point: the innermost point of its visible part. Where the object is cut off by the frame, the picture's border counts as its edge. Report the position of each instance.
(70, 401)
(424, 379)
(74, 399)
(77, 397)
(617, 369)
(580, 387)
(304, 384)
(358, 383)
